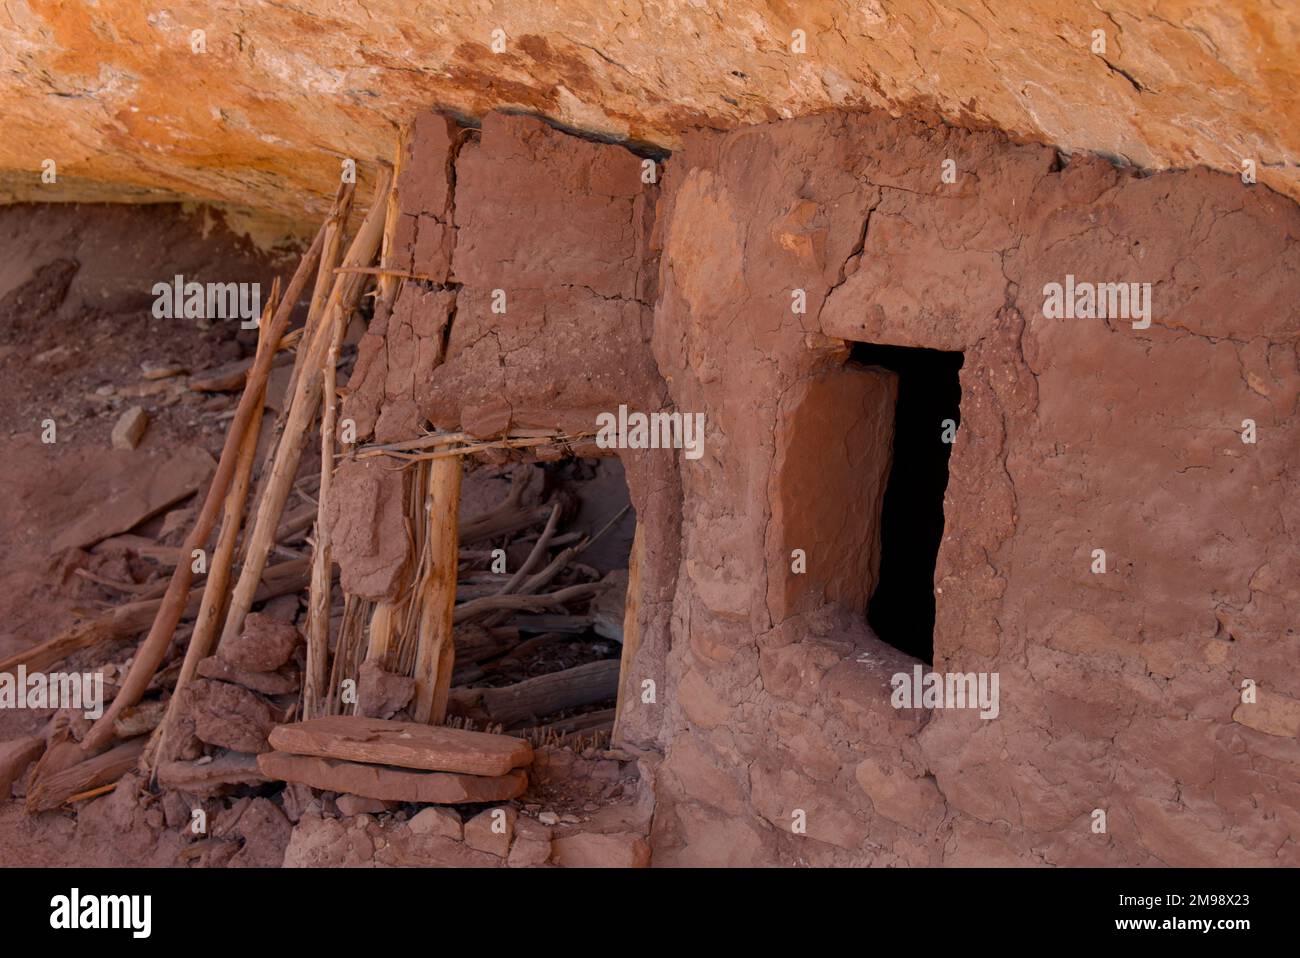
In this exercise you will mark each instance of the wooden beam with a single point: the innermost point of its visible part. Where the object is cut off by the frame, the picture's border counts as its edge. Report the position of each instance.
(127, 620)
(542, 695)
(436, 651)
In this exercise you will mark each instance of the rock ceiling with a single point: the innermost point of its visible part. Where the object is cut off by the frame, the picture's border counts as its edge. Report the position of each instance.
(117, 96)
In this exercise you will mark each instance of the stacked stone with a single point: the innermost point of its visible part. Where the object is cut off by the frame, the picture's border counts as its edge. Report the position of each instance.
(398, 761)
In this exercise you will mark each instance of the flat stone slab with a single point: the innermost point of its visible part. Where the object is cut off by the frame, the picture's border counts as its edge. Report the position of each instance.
(232, 768)
(356, 738)
(281, 682)
(392, 784)
(134, 491)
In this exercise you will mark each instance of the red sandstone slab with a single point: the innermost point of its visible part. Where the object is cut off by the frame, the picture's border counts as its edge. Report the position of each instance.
(231, 768)
(132, 491)
(404, 744)
(392, 784)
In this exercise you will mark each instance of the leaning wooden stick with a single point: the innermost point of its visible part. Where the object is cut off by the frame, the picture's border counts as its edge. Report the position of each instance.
(302, 409)
(535, 554)
(214, 595)
(335, 228)
(154, 647)
(134, 617)
(318, 613)
(335, 224)
(388, 281)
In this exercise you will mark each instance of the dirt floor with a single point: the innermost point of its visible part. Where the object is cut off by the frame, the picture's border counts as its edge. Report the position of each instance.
(76, 337)
(76, 332)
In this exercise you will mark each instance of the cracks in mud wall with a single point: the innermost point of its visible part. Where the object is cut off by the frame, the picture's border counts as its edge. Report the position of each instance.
(1067, 428)
(774, 696)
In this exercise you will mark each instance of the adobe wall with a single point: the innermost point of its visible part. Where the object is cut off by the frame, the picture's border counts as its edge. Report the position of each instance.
(1118, 691)
(535, 310)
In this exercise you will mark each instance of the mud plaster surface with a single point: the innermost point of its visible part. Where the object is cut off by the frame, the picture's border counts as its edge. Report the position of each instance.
(1118, 691)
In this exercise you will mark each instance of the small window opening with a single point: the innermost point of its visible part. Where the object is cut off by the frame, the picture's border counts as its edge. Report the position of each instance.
(927, 414)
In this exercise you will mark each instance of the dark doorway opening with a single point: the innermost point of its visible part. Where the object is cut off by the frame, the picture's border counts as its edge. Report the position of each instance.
(901, 611)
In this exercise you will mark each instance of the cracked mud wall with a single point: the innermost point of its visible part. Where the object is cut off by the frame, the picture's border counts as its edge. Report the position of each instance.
(536, 311)
(1118, 691)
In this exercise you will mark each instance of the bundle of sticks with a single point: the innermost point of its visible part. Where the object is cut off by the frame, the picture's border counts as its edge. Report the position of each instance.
(221, 607)
(474, 615)
(412, 635)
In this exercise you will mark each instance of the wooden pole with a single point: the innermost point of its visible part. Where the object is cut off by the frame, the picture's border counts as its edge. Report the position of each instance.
(541, 694)
(302, 409)
(154, 647)
(383, 619)
(318, 615)
(388, 281)
(435, 652)
(381, 634)
(338, 218)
